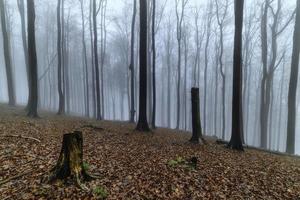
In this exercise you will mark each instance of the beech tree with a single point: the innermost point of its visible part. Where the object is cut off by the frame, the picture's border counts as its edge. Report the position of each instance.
(179, 21)
(237, 131)
(132, 64)
(7, 56)
(291, 123)
(142, 121)
(32, 59)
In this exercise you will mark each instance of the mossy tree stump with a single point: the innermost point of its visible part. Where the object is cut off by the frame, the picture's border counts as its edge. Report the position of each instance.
(70, 162)
(196, 122)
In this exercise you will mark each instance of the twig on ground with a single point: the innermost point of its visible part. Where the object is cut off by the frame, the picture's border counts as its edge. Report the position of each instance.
(22, 136)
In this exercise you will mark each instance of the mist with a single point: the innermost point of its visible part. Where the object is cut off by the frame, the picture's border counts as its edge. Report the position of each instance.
(200, 67)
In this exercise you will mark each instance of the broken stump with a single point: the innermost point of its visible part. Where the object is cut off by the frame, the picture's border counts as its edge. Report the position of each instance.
(196, 122)
(70, 161)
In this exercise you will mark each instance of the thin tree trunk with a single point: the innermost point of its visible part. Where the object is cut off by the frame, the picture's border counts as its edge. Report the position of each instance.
(131, 66)
(153, 67)
(7, 56)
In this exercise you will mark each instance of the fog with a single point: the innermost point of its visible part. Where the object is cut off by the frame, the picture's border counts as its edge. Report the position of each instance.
(115, 36)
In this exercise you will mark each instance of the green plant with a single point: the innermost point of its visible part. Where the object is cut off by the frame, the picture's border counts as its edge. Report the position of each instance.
(100, 192)
(85, 166)
(178, 161)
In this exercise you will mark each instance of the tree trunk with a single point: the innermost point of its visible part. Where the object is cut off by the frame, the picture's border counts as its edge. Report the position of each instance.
(142, 122)
(70, 161)
(196, 122)
(7, 56)
(237, 129)
(87, 95)
(21, 8)
(292, 108)
(59, 54)
(153, 67)
(96, 62)
(32, 59)
(131, 66)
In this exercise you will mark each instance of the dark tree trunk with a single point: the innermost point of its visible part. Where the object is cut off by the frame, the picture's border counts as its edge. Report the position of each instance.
(153, 67)
(32, 60)
(142, 122)
(292, 107)
(7, 56)
(131, 67)
(61, 103)
(196, 122)
(70, 161)
(237, 129)
(96, 62)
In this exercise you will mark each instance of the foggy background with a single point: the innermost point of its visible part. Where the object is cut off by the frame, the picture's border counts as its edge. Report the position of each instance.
(117, 57)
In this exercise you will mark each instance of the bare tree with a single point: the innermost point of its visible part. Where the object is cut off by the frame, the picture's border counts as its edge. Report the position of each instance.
(21, 8)
(237, 130)
(96, 61)
(179, 18)
(291, 124)
(153, 65)
(61, 103)
(221, 13)
(269, 67)
(208, 35)
(7, 56)
(142, 122)
(132, 65)
(32, 59)
(85, 62)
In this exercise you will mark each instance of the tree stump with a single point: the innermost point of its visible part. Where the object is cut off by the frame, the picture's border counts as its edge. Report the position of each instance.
(70, 162)
(196, 122)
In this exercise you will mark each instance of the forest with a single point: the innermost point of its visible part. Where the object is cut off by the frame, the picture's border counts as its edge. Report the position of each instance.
(147, 99)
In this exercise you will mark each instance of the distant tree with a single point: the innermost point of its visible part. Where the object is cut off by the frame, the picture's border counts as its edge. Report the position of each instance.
(221, 12)
(179, 21)
(93, 60)
(7, 56)
(85, 61)
(32, 59)
(237, 131)
(206, 55)
(291, 123)
(269, 67)
(131, 66)
(21, 8)
(142, 121)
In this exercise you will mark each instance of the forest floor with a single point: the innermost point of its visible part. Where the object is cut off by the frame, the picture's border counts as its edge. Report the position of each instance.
(134, 165)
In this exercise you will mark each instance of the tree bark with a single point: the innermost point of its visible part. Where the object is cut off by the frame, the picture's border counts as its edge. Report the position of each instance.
(237, 130)
(96, 62)
(142, 122)
(292, 107)
(7, 57)
(70, 161)
(32, 59)
(131, 66)
(196, 122)
(153, 67)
